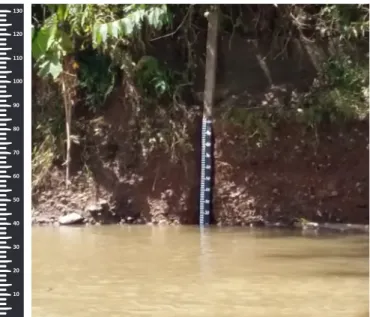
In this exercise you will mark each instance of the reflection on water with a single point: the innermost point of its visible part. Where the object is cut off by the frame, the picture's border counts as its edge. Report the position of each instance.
(176, 271)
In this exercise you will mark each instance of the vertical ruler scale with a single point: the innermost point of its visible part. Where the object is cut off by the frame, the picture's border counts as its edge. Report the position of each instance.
(207, 141)
(11, 160)
(206, 173)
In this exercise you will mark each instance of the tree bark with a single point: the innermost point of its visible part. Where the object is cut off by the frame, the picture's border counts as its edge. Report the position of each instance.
(211, 61)
(68, 115)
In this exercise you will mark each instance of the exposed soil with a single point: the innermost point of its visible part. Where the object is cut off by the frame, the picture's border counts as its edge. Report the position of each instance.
(322, 179)
(320, 176)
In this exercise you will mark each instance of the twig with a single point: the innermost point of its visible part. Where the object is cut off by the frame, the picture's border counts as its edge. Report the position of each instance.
(296, 21)
(155, 179)
(69, 74)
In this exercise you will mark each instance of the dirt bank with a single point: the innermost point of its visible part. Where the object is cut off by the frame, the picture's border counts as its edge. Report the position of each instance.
(320, 175)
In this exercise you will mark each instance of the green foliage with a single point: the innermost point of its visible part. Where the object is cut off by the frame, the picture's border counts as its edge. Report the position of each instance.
(50, 44)
(52, 41)
(153, 79)
(340, 93)
(349, 21)
(135, 17)
(346, 74)
(96, 79)
(71, 28)
(47, 132)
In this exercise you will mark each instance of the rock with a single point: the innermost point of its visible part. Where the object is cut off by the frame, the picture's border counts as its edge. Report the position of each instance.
(71, 219)
(99, 211)
(103, 203)
(310, 226)
(94, 209)
(163, 222)
(43, 220)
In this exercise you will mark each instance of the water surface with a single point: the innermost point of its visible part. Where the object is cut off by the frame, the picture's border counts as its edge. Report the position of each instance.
(177, 271)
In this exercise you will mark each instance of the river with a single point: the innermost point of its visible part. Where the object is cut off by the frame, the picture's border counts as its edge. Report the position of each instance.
(123, 271)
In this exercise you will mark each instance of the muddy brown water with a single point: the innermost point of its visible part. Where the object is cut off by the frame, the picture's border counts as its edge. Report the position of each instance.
(179, 271)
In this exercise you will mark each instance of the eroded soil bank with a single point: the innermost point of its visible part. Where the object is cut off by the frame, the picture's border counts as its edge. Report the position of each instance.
(319, 175)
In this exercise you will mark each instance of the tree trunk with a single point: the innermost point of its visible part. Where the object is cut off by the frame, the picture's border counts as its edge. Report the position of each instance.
(68, 114)
(211, 61)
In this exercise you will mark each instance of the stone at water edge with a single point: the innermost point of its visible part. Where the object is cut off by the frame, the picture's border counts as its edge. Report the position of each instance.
(94, 209)
(97, 208)
(71, 219)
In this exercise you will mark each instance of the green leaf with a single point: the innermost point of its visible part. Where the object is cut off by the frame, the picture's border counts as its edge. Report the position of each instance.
(157, 16)
(85, 15)
(100, 34)
(44, 38)
(51, 66)
(62, 12)
(114, 30)
(52, 36)
(103, 30)
(127, 26)
(39, 44)
(55, 69)
(96, 38)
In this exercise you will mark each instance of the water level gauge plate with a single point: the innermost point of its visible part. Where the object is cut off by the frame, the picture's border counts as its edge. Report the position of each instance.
(11, 160)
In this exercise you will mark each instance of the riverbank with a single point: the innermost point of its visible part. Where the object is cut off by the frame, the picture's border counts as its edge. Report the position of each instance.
(321, 176)
(291, 129)
(74, 219)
